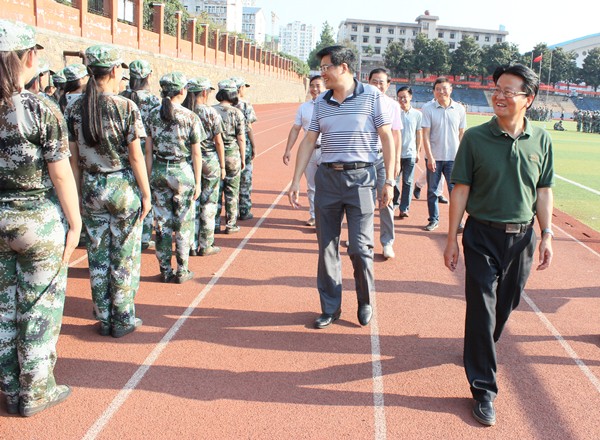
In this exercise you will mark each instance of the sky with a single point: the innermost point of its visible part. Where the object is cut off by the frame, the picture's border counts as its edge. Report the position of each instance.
(526, 22)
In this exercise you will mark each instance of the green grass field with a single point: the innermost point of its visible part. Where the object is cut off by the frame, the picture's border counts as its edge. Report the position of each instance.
(577, 158)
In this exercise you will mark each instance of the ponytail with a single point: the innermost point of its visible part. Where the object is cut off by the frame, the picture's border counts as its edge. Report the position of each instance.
(190, 100)
(167, 111)
(91, 108)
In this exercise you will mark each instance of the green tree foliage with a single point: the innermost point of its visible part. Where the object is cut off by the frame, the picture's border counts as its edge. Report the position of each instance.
(325, 40)
(591, 68)
(564, 67)
(439, 57)
(420, 59)
(300, 67)
(498, 55)
(171, 7)
(466, 59)
(396, 58)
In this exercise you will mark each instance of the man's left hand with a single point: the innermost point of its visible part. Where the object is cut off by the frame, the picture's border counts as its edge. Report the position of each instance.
(387, 196)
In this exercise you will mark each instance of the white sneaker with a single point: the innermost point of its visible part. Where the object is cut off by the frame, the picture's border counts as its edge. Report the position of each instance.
(388, 252)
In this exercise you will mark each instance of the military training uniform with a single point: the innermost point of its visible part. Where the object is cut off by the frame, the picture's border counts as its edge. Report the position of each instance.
(173, 185)
(32, 240)
(111, 209)
(245, 203)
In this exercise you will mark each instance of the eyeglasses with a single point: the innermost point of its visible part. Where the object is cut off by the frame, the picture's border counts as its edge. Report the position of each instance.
(506, 93)
(375, 82)
(325, 67)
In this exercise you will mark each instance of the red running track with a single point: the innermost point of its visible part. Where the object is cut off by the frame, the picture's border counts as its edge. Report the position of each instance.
(233, 355)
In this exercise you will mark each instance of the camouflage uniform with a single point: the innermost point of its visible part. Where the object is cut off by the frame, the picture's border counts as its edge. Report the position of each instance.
(146, 102)
(111, 209)
(32, 240)
(233, 125)
(173, 185)
(211, 178)
(245, 204)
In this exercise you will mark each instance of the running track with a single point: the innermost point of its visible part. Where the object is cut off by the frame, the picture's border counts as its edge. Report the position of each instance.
(232, 354)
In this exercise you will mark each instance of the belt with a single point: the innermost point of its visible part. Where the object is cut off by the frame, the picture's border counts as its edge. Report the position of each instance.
(344, 166)
(509, 228)
(176, 160)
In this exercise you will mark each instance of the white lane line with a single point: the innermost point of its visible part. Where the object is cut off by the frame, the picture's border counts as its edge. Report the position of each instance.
(79, 260)
(577, 241)
(572, 182)
(270, 148)
(133, 382)
(565, 345)
(378, 391)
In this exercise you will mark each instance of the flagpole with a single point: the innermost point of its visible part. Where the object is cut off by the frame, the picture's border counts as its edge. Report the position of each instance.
(549, 71)
(531, 61)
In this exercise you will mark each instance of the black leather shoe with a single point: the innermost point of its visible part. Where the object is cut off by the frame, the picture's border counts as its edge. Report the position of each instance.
(484, 413)
(443, 200)
(325, 320)
(364, 314)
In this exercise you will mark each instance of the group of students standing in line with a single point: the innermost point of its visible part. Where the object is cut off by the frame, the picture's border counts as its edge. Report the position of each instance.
(116, 163)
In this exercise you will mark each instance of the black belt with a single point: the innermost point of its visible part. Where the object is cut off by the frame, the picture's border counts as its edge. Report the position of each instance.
(176, 160)
(344, 166)
(509, 228)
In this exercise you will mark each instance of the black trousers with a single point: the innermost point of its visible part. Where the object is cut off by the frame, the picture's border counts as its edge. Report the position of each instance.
(497, 267)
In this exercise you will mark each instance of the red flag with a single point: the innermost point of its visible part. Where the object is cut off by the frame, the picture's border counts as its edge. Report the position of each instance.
(537, 59)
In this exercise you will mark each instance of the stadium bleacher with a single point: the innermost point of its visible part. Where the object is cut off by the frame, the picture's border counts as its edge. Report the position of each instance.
(587, 103)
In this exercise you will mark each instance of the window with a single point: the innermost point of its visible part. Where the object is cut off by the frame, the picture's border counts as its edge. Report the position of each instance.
(352, 37)
(365, 39)
(403, 41)
(452, 45)
(440, 35)
(366, 29)
(390, 40)
(378, 30)
(402, 31)
(452, 35)
(499, 40)
(391, 31)
(378, 50)
(354, 28)
(377, 40)
(414, 33)
(476, 37)
(487, 38)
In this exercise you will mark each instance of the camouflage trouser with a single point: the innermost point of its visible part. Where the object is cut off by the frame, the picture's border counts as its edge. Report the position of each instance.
(172, 191)
(245, 204)
(230, 187)
(32, 295)
(206, 205)
(147, 227)
(111, 211)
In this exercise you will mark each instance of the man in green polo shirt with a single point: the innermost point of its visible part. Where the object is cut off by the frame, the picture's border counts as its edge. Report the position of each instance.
(503, 174)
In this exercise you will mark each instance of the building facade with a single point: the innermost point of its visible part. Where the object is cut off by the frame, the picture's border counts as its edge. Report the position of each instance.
(254, 25)
(372, 37)
(298, 39)
(226, 13)
(580, 46)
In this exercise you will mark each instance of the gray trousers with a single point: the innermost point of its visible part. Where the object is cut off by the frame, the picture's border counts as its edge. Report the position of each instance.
(386, 214)
(352, 193)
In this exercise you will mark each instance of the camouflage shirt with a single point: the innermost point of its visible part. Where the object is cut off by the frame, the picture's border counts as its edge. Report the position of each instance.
(213, 124)
(173, 139)
(31, 134)
(248, 111)
(122, 124)
(233, 124)
(146, 102)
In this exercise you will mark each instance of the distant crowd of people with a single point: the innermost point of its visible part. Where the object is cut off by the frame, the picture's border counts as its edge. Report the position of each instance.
(587, 121)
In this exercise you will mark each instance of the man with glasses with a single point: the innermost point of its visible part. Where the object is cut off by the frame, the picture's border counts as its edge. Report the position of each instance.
(444, 122)
(380, 78)
(350, 117)
(503, 176)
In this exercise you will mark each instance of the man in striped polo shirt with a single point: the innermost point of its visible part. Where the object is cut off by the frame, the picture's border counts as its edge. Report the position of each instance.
(350, 118)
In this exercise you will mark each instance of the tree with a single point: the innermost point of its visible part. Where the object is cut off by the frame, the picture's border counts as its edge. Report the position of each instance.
(466, 59)
(439, 57)
(395, 58)
(591, 68)
(420, 56)
(497, 55)
(300, 67)
(564, 67)
(326, 39)
(171, 7)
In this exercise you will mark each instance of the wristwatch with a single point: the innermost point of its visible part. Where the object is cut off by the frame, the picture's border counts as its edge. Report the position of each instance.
(547, 231)
(390, 182)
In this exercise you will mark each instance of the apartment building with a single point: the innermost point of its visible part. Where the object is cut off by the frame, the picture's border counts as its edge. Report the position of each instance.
(298, 39)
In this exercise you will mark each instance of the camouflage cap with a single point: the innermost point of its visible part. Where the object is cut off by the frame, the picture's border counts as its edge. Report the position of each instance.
(75, 71)
(239, 81)
(228, 85)
(140, 69)
(59, 77)
(199, 84)
(15, 35)
(103, 55)
(173, 82)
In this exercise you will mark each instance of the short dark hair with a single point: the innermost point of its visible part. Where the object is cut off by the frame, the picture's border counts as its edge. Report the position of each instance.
(441, 80)
(531, 82)
(230, 96)
(404, 89)
(314, 78)
(379, 70)
(339, 55)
